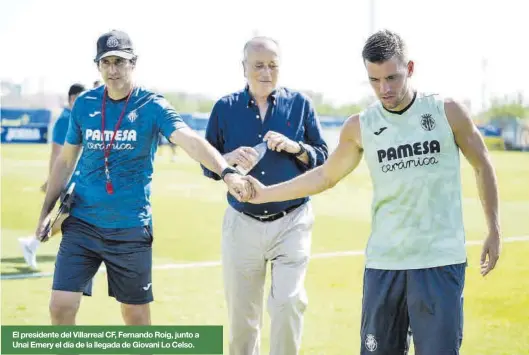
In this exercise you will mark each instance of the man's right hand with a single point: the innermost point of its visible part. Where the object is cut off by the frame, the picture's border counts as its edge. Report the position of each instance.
(238, 187)
(41, 228)
(245, 157)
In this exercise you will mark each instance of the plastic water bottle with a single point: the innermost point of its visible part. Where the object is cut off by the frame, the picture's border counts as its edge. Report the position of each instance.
(261, 149)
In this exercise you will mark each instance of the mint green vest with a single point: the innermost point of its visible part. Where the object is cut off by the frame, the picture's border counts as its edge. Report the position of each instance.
(417, 219)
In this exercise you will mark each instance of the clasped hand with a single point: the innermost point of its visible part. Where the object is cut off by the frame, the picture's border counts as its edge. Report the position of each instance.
(245, 188)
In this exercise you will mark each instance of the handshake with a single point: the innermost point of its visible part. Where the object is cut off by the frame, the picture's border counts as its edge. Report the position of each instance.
(244, 187)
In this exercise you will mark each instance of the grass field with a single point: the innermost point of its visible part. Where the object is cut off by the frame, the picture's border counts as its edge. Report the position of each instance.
(188, 210)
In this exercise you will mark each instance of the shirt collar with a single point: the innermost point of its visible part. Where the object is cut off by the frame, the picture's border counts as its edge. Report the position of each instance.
(272, 98)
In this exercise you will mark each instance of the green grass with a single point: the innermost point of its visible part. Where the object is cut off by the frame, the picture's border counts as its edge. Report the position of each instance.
(188, 210)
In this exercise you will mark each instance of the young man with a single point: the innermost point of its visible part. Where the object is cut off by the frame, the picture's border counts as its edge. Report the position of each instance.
(275, 233)
(117, 127)
(30, 244)
(415, 257)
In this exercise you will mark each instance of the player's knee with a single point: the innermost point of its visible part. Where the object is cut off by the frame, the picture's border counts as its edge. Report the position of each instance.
(62, 310)
(63, 306)
(136, 314)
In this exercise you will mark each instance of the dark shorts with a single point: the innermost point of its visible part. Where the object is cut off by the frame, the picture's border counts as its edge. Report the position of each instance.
(427, 301)
(126, 252)
(87, 290)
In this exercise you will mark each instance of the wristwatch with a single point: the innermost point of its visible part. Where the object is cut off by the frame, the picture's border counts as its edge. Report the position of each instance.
(228, 170)
(301, 150)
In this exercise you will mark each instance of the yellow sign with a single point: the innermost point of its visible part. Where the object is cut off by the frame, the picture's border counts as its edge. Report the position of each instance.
(22, 121)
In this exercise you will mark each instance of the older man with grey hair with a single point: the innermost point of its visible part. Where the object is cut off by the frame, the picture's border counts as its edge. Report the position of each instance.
(279, 233)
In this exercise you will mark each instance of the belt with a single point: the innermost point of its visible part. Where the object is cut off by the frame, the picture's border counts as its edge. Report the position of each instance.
(275, 216)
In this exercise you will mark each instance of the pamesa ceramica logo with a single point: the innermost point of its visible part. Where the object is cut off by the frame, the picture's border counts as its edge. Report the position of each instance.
(411, 155)
(123, 140)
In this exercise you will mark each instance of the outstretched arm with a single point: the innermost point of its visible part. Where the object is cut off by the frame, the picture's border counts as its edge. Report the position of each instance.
(340, 163)
(471, 143)
(201, 151)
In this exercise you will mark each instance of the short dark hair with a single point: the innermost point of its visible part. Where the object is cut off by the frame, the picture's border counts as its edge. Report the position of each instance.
(384, 45)
(76, 89)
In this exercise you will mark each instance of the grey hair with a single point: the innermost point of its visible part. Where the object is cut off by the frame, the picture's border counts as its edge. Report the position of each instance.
(258, 42)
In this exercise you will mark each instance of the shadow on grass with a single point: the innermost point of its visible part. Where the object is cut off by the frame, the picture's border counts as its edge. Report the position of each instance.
(17, 265)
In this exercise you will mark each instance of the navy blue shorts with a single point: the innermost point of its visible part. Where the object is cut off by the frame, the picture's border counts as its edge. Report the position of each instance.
(87, 290)
(126, 252)
(427, 301)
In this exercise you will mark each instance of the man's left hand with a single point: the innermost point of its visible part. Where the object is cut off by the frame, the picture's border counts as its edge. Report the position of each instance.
(259, 190)
(490, 253)
(278, 142)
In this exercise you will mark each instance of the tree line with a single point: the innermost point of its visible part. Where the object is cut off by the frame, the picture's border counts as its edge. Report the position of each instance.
(515, 108)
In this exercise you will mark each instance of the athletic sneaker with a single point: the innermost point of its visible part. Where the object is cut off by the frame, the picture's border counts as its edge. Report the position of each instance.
(29, 250)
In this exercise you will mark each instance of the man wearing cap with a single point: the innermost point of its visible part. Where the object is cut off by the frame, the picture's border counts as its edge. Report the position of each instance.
(30, 244)
(275, 233)
(117, 127)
